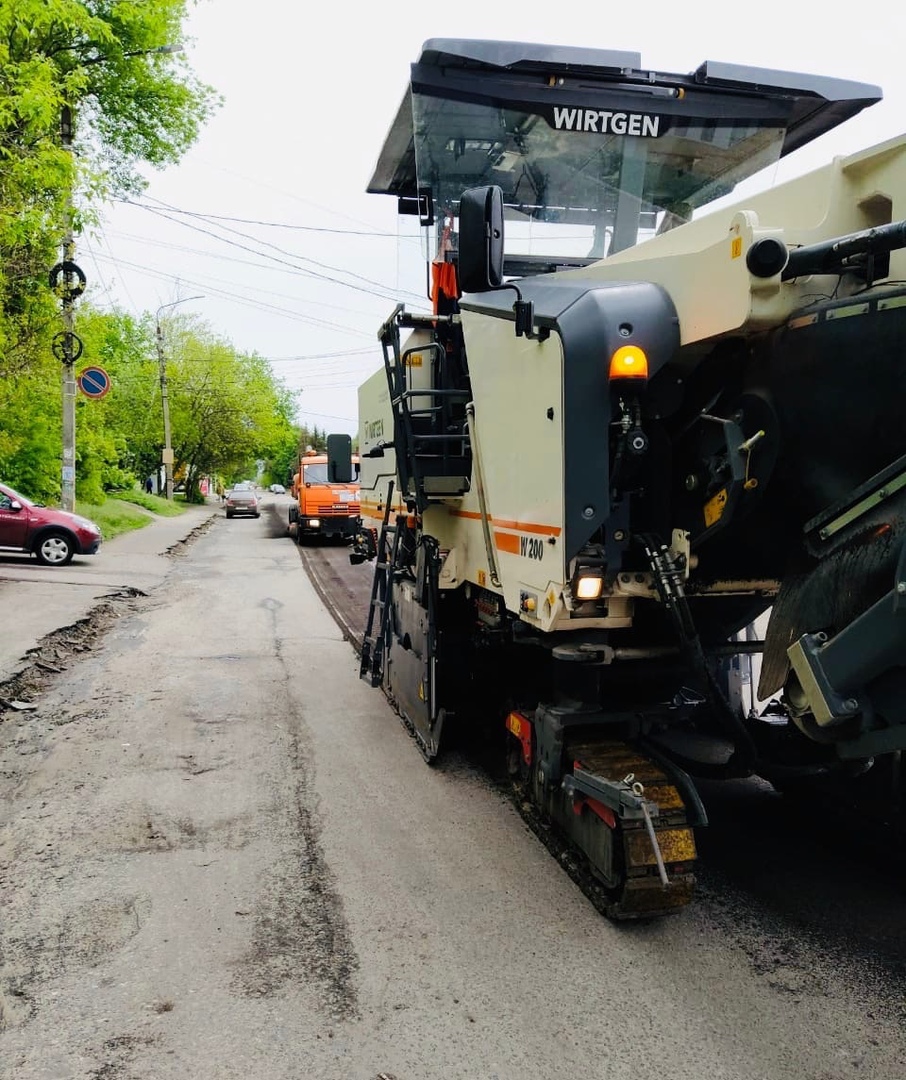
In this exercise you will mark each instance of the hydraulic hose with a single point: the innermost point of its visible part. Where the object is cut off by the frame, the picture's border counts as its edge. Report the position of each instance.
(668, 581)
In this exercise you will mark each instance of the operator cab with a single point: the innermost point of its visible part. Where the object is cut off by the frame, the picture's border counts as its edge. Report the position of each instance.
(587, 155)
(592, 153)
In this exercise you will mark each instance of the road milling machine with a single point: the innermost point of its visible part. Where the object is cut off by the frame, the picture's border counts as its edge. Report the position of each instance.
(644, 441)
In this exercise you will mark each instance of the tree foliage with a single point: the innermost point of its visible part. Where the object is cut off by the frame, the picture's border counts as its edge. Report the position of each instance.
(227, 411)
(110, 65)
(30, 430)
(226, 408)
(91, 92)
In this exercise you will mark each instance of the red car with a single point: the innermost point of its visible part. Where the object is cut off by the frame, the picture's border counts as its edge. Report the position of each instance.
(52, 536)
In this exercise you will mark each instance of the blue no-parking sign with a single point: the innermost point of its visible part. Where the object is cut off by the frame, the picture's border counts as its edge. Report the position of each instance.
(94, 382)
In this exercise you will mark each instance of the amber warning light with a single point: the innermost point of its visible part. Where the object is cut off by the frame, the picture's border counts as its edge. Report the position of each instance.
(629, 362)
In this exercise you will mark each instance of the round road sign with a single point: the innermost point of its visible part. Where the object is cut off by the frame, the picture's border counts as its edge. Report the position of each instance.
(94, 382)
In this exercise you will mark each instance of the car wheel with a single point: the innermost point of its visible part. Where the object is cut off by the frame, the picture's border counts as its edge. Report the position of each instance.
(229, 513)
(257, 513)
(54, 549)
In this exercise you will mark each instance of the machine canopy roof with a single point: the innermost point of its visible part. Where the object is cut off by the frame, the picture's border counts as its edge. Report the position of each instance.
(585, 139)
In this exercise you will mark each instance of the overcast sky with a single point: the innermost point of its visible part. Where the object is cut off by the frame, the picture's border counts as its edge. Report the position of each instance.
(267, 215)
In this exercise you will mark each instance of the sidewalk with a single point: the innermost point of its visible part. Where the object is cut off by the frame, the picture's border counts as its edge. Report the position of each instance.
(37, 600)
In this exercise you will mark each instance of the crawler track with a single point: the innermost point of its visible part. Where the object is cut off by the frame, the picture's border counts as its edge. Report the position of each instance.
(774, 861)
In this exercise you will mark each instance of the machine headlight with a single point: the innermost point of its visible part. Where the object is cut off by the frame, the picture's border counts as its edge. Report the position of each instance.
(314, 523)
(588, 586)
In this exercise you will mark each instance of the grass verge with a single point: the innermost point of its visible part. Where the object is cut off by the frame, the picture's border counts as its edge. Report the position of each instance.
(126, 511)
(154, 503)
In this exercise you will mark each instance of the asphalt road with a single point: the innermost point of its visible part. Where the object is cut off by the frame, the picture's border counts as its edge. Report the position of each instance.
(39, 600)
(222, 856)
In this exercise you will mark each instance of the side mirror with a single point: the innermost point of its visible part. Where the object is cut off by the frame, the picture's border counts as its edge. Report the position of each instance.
(481, 239)
(15, 505)
(339, 459)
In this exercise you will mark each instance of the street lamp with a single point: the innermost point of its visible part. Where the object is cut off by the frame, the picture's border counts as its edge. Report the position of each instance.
(167, 454)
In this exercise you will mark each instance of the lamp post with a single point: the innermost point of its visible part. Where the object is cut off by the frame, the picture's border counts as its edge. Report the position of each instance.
(167, 454)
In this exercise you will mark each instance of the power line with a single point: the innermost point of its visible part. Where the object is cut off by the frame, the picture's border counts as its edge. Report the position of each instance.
(239, 298)
(294, 195)
(242, 262)
(278, 224)
(323, 356)
(327, 416)
(388, 293)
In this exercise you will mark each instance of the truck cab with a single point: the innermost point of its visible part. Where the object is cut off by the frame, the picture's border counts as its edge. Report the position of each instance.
(323, 507)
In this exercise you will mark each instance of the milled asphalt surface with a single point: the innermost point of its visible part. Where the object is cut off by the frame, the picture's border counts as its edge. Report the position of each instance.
(37, 600)
(241, 869)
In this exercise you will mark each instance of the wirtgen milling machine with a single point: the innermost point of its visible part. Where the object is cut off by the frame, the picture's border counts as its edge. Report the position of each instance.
(631, 429)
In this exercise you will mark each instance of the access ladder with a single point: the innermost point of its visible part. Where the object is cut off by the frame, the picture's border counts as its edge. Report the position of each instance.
(371, 668)
(433, 456)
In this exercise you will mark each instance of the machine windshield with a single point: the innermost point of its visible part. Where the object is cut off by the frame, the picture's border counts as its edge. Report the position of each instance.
(582, 182)
(593, 153)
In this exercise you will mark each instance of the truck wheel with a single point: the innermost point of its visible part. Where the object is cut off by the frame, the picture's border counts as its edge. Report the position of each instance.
(54, 549)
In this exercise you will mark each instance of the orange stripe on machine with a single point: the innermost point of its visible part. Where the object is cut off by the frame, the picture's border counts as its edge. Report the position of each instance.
(507, 542)
(501, 523)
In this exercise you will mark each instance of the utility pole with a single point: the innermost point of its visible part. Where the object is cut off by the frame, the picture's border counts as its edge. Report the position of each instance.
(69, 282)
(167, 453)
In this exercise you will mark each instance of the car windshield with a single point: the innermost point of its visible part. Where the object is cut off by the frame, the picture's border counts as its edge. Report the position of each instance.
(315, 474)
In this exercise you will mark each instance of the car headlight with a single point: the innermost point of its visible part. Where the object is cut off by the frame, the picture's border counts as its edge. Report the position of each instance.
(84, 523)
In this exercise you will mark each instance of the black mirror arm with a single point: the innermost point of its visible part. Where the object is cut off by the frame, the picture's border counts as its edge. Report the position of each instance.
(524, 314)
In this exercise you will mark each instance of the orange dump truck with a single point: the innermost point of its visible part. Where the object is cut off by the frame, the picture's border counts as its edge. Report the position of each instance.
(323, 507)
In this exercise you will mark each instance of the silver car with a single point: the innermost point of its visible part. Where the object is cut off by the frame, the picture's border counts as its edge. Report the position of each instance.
(243, 499)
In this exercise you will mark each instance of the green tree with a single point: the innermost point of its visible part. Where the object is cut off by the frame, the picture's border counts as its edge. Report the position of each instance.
(30, 430)
(284, 458)
(119, 435)
(119, 438)
(111, 65)
(227, 410)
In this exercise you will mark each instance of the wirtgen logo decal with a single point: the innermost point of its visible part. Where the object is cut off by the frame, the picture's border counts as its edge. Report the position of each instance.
(602, 122)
